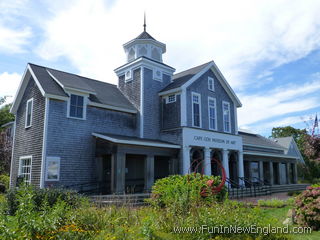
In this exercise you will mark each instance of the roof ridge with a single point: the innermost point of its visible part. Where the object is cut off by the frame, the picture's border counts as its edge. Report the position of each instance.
(48, 68)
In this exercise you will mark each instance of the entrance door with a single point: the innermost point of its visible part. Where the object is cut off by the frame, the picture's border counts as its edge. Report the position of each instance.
(215, 170)
(233, 168)
(135, 173)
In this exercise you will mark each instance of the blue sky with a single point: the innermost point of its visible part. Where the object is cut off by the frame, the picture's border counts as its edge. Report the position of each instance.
(269, 51)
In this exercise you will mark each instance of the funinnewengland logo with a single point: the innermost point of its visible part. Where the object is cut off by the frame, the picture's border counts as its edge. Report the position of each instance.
(234, 229)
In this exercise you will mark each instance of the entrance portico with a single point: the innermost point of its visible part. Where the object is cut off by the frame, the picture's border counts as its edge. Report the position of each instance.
(203, 145)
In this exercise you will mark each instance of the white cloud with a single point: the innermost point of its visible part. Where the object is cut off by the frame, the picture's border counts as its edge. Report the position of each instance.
(278, 102)
(12, 40)
(9, 83)
(236, 34)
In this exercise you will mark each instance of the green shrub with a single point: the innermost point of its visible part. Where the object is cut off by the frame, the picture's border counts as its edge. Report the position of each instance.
(39, 196)
(180, 192)
(5, 180)
(294, 193)
(308, 207)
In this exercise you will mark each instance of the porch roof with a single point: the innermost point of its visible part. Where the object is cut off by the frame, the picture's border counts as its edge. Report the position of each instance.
(135, 141)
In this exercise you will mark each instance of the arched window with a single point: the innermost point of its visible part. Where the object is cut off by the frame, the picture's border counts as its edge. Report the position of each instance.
(143, 51)
(155, 54)
(131, 55)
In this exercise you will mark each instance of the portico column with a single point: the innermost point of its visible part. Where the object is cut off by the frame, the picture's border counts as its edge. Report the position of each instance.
(186, 159)
(295, 173)
(225, 162)
(279, 173)
(288, 173)
(149, 173)
(207, 161)
(240, 167)
(120, 172)
(261, 170)
(271, 172)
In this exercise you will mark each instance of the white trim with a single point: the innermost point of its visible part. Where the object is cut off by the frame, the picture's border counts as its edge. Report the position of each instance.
(120, 109)
(209, 80)
(48, 159)
(235, 119)
(230, 126)
(133, 142)
(85, 100)
(12, 160)
(47, 95)
(267, 155)
(200, 120)
(128, 78)
(31, 114)
(25, 157)
(175, 90)
(215, 113)
(183, 107)
(44, 142)
(141, 102)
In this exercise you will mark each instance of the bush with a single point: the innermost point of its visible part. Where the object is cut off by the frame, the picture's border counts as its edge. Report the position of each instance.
(48, 195)
(4, 180)
(294, 193)
(275, 203)
(308, 207)
(180, 192)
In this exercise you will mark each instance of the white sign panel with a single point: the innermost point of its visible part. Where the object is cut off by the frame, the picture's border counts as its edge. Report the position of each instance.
(203, 138)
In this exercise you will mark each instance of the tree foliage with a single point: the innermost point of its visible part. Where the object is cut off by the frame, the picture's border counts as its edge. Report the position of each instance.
(299, 135)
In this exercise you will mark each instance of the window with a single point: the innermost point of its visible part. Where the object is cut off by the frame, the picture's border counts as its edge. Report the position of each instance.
(128, 76)
(212, 113)
(196, 110)
(171, 98)
(226, 117)
(76, 109)
(25, 168)
(210, 83)
(29, 110)
(53, 169)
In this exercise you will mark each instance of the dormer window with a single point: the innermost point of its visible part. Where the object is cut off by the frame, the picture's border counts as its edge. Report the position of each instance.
(76, 107)
(210, 83)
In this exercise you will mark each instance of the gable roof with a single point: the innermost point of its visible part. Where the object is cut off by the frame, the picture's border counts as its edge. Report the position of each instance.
(181, 78)
(55, 84)
(258, 140)
(186, 78)
(287, 142)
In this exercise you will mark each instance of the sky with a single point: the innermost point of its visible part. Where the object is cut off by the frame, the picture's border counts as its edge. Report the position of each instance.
(269, 51)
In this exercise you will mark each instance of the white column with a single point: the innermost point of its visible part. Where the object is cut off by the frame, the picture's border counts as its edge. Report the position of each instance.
(240, 167)
(225, 161)
(207, 161)
(186, 159)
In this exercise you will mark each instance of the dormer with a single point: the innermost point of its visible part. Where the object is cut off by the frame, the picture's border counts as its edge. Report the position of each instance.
(144, 45)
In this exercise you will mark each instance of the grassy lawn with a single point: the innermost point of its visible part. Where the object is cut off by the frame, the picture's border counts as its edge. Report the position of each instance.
(280, 214)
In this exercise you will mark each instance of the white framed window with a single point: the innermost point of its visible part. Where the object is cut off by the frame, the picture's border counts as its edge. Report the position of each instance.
(210, 83)
(128, 75)
(76, 106)
(171, 98)
(157, 74)
(29, 111)
(196, 109)
(52, 168)
(226, 117)
(212, 113)
(25, 167)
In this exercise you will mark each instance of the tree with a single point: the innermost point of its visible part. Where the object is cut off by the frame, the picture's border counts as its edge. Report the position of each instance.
(5, 152)
(309, 147)
(5, 115)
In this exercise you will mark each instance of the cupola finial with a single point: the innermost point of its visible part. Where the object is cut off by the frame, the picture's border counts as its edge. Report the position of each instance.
(144, 22)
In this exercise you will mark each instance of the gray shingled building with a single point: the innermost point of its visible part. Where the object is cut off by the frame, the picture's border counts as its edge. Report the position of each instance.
(75, 131)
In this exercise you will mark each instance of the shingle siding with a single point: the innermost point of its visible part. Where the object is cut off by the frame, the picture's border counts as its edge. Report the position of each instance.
(171, 114)
(72, 140)
(28, 141)
(201, 86)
